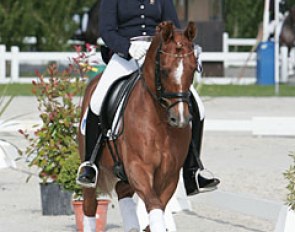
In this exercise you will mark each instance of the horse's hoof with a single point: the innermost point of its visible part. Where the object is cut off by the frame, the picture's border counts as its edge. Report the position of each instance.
(147, 229)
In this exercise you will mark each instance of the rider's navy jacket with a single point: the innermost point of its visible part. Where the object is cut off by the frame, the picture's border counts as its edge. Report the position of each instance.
(122, 19)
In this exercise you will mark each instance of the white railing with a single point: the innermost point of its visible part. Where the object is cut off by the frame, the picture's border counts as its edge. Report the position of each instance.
(16, 58)
(247, 58)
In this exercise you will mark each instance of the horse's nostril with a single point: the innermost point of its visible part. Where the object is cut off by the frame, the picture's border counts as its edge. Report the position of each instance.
(173, 120)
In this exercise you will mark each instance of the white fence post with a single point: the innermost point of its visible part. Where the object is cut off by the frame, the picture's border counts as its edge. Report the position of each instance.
(291, 61)
(14, 64)
(225, 49)
(284, 64)
(2, 63)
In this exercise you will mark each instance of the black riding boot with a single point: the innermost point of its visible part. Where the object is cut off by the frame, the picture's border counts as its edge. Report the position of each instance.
(92, 134)
(194, 182)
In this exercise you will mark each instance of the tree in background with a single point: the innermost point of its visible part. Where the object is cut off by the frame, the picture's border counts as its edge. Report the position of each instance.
(289, 3)
(16, 21)
(53, 24)
(243, 17)
(49, 21)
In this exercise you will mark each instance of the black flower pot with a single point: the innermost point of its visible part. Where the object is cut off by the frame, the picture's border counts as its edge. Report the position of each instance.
(55, 201)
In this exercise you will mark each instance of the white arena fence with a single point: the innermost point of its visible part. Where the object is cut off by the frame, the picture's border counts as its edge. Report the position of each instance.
(10, 61)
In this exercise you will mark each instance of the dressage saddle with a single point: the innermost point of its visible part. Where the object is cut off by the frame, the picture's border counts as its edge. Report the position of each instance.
(112, 110)
(116, 100)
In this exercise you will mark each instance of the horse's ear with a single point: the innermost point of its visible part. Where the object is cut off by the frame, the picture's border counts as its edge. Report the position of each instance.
(166, 28)
(190, 31)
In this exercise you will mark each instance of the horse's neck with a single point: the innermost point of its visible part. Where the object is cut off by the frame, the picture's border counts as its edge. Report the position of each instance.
(143, 105)
(145, 88)
(150, 65)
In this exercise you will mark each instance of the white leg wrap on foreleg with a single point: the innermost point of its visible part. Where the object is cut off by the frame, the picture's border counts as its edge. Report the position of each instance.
(157, 221)
(128, 211)
(89, 224)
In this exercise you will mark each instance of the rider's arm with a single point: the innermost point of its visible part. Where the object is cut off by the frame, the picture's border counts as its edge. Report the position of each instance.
(109, 28)
(125, 17)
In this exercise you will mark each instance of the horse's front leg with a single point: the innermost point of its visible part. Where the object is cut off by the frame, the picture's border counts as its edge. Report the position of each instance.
(165, 196)
(89, 208)
(143, 182)
(127, 207)
(169, 190)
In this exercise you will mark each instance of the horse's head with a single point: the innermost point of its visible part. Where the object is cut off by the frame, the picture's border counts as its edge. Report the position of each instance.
(171, 63)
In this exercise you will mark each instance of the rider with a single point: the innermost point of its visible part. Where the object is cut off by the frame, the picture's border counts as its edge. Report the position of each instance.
(119, 22)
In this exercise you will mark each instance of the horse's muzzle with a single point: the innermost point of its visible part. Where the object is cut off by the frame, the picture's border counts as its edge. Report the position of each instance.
(178, 120)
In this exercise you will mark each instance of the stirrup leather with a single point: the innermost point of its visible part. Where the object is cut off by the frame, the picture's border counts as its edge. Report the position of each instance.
(203, 190)
(91, 165)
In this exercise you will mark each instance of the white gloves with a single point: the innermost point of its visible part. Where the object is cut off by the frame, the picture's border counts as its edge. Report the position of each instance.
(138, 49)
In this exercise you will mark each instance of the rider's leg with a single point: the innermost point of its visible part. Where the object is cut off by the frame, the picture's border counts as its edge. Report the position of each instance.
(116, 68)
(193, 180)
(92, 133)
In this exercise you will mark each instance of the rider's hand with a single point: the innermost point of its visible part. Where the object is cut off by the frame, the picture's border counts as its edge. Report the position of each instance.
(138, 49)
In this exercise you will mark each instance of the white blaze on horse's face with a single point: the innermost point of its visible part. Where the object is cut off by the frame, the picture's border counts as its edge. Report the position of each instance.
(178, 72)
(177, 78)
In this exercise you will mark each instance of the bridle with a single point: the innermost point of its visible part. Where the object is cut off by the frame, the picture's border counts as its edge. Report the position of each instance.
(162, 96)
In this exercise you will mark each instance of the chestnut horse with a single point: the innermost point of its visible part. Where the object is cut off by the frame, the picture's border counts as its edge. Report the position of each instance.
(157, 131)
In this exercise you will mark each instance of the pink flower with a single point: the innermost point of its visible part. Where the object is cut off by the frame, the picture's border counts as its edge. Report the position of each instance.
(78, 48)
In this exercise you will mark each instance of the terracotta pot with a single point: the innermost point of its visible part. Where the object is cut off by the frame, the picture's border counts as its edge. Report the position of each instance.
(101, 214)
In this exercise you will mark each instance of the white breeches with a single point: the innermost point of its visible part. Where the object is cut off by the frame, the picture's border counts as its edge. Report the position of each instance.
(117, 68)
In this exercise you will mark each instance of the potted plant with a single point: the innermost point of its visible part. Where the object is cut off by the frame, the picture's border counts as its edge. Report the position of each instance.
(290, 176)
(289, 223)
(54, 141)
(67, 179)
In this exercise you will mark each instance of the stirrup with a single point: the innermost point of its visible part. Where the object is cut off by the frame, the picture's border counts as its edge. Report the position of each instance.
(204, 190)
(91, 165)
